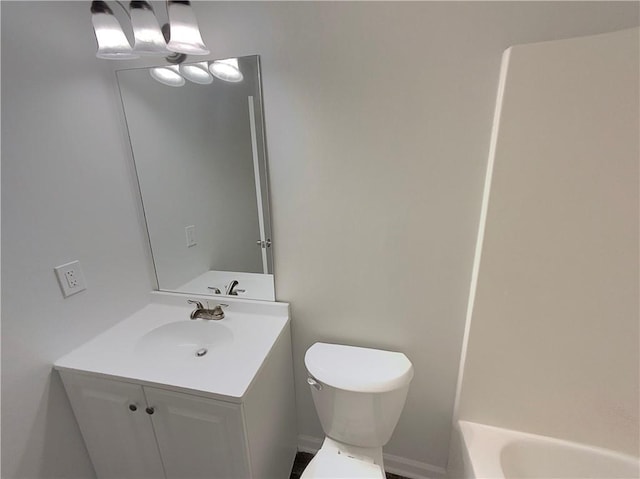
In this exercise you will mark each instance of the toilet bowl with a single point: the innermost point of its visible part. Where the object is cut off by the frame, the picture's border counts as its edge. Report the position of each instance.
(332, 462)
(359, 394)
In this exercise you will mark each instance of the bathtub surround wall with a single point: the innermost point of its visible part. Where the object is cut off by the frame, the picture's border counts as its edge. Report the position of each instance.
(378, 118)
(553, 339)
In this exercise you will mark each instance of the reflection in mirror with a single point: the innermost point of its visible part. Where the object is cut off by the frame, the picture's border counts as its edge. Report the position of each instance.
(199, 153)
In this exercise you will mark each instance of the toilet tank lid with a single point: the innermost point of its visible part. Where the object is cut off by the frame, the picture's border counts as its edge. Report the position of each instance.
(358, 369)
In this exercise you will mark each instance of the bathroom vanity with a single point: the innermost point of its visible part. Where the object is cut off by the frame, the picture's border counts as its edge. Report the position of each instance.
(162, 396)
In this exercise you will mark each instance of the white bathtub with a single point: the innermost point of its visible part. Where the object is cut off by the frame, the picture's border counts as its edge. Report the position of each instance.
(491, 452)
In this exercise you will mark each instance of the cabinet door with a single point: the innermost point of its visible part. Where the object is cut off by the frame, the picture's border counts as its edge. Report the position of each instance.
(120, 441)
(198, 437)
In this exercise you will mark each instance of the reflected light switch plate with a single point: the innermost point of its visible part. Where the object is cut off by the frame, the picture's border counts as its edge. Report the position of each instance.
(191, 236)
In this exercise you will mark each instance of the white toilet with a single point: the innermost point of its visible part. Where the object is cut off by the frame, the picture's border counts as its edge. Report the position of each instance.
(359, 394)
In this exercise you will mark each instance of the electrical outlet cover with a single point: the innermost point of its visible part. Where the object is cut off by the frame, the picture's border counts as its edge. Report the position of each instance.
(70, 278)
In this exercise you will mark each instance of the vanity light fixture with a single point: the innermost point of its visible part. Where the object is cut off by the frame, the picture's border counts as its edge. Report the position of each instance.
(196, 72)
(112, 42)
(183, 35)
(226, 70)
(146, 31)
(169, 75)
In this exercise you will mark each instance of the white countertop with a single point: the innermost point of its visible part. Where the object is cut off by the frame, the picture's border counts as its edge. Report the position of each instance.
(237, 346)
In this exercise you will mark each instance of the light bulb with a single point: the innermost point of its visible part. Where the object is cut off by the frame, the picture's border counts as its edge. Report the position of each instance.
(226, 70)
(196, 72)
(146, 31)
(112, 42)
(184, 32)
(169, 75)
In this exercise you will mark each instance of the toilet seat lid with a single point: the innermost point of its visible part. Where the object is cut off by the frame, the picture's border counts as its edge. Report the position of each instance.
(332, 465)
(358, 369)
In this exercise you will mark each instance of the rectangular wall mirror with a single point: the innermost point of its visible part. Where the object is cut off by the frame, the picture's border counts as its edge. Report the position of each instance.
(200, 157)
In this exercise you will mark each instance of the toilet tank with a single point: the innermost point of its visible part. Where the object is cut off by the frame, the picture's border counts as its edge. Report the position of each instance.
(358, 393)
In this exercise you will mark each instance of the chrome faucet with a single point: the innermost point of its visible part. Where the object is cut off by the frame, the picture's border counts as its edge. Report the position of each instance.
(230, 290)
(203, 313)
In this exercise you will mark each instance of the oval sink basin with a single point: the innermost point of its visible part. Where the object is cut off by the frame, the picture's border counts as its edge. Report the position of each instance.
(184, 339)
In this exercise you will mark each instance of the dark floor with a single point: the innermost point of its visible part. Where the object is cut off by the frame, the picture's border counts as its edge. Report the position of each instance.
(303, 458)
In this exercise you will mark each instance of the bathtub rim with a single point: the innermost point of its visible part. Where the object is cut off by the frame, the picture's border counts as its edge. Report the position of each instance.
(482, 444)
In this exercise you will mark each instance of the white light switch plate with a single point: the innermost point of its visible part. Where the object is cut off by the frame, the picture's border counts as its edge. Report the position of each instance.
(70, 278)
(191, 236)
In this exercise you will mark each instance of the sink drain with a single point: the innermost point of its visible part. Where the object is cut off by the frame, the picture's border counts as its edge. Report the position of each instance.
(201, 352)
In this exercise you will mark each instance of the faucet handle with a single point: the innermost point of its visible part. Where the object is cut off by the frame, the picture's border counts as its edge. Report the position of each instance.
(217, 311)
(197, 303)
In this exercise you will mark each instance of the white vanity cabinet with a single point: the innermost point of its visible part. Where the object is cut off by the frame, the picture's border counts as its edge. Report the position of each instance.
(198, 437)
(132, 431)
(120, 441)
(150, 405)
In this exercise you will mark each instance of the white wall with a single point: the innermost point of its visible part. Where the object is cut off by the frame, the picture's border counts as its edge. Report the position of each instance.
(553, 342)
(67, 193)
(378, 123)
(378, 118)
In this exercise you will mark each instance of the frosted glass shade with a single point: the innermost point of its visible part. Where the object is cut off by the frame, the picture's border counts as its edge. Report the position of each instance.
(112, 42)
(196, 73)
(226, 70)
(146, 31)
(185, 34)
(169, 75)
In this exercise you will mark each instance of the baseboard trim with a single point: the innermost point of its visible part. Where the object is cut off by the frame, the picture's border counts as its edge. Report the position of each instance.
(309, 444)
(394, 464)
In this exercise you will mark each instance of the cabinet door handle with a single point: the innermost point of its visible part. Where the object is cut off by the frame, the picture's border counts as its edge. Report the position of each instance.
(133, 407)
(150, 410)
